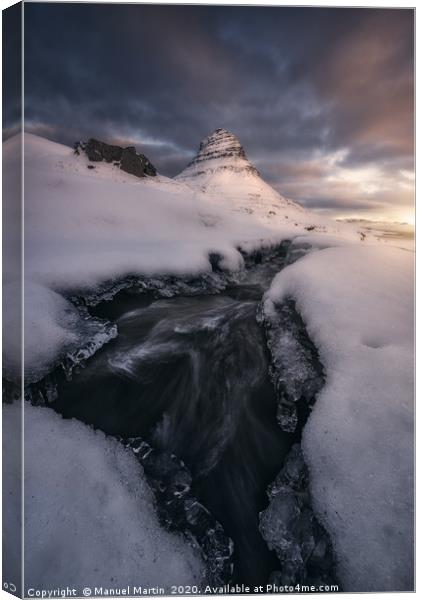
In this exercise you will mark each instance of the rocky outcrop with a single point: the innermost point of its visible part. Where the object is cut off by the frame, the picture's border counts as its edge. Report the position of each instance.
(127, 159)
(219, 151)
(222, 170)
(220, 144)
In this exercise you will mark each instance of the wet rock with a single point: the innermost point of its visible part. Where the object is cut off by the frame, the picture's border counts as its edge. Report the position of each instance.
(179, 510)
(215, 260)
(291, 529)
(164, 286)
(168, 286)
(94, 334)
(277, 253)
(289, 525)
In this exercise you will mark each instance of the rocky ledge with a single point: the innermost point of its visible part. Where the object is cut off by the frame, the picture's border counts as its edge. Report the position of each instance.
(219, 151)
(127, 159)
(220, 144)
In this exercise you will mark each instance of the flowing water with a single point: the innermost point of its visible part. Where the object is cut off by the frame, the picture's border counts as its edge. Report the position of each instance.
(190, 375)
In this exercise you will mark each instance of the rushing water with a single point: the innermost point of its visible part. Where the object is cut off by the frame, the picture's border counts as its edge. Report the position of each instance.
(190, 375)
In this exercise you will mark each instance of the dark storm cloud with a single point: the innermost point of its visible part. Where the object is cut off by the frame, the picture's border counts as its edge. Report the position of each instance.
(12, 71)
(296, 85)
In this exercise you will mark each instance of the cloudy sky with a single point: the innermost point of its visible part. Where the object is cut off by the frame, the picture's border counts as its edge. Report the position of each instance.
(321, 98)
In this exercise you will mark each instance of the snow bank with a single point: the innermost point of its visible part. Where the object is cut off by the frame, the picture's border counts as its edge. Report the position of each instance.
(54, 330)
(87, 227)
(89, 514)
(357, 303)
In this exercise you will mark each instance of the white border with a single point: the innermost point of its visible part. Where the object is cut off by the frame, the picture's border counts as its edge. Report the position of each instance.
(320, 3)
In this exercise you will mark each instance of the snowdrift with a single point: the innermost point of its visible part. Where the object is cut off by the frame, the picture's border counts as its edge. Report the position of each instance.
(357, 303)
(86, 227)
(90, 518)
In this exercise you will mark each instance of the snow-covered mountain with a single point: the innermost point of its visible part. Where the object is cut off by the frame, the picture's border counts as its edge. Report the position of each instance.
(222, 170)
(219, 151)
(89, 223)
(89, 229)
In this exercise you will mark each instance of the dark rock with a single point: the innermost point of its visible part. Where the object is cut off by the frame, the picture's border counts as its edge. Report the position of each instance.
(290, 527)
(215, 259)
(221, 144)
(179, 510)
(98, 151)
(135, 163)
(128, 159)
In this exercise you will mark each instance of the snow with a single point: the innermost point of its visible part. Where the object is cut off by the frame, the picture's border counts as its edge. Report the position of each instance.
(222, 170)
(50, 325)
(53, 328)
(357, 304)
(87, 227)
(401, 234)
(89, 514)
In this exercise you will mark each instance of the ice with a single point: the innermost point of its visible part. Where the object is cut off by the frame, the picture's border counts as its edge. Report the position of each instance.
(295, 369)
(357, 304)
(89, 514)
(289, 527)
(90, 228)
(178, 508)
(54, 330)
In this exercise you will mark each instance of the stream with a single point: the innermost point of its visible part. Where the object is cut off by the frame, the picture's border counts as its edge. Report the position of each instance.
(189, 376)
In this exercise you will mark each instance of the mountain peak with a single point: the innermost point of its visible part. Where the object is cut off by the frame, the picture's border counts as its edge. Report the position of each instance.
(220, 144)
(219, 151)
(222, 170)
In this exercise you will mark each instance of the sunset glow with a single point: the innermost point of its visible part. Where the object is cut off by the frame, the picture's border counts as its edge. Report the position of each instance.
(322, 99)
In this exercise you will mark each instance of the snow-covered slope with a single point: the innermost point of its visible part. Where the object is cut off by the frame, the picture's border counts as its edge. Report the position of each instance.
(357, 304)
(218, 153)
(90, 518)
(86, 226)
(222, 170)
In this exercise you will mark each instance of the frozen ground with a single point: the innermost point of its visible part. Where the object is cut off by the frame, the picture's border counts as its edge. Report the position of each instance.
(90, 518)
(85, 227)
(357, 303)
